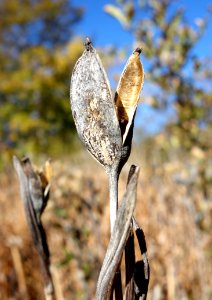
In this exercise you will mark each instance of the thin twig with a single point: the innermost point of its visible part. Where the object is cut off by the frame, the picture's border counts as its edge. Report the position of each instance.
(18, 265)
(57, 283)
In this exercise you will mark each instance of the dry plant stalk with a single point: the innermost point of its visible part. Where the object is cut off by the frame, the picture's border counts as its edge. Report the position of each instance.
(95, 117)
(105, 126)
(18, 265)
(118, 239)
(34, 188)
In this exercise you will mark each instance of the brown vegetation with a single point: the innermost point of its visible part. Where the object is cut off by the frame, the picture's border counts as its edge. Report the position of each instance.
(175, 217)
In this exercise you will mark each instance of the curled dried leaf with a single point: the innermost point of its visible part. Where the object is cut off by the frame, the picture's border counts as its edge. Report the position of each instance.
(118, 14)
(142, 268)
(36, 184)
(128, 91)
(93, 108)
(118, 238)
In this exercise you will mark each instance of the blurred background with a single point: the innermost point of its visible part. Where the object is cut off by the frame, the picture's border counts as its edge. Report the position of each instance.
(40, 42)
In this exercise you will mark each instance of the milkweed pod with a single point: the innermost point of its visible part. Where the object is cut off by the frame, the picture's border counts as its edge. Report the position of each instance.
(93, 108)
(128, 91)
(31, 185)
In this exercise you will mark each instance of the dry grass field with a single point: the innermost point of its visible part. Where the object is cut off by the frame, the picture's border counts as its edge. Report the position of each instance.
(172, 211)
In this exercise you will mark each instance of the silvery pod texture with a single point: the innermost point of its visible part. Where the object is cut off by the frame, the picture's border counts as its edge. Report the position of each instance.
(93, 109)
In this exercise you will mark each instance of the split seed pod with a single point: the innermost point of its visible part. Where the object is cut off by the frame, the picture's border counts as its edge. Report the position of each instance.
(128, 91)
(45, 175)
(94, 110)
(34, 198)
(126, 101)
(36, 183)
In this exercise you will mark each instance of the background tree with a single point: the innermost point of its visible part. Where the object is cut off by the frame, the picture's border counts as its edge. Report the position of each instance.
(36, 55)
(176, 79)
(180, 78)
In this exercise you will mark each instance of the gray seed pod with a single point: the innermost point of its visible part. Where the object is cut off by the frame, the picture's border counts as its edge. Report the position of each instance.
(94, 110)
(34, 184)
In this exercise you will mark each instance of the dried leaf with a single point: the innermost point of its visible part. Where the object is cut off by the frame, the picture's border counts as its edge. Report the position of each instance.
(94, 110)
(129, 263)
(142, 269)
(118, 239)
(128, 90)
(115, 12)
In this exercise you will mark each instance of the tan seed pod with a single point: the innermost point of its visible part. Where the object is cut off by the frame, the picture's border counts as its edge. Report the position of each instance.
(128, 91)
(48, 170)
(46, 176)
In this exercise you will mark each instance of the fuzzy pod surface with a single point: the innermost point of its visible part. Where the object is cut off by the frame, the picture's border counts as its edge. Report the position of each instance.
(93, 108)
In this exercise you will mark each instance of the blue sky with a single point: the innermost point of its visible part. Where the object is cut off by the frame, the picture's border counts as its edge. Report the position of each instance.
(104, 30)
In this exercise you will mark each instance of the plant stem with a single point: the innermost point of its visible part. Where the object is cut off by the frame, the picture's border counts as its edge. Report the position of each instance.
(113, 191)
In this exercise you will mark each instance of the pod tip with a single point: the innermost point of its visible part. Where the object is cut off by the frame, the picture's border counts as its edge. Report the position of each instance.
(87, 43)
(138, 50)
